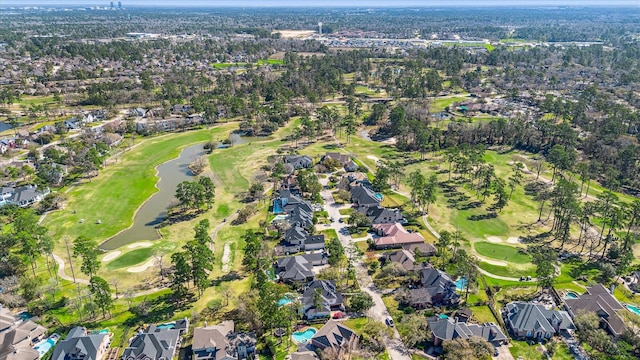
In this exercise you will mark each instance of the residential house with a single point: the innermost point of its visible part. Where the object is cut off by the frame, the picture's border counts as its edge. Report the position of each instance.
(353, 179)
(381, 215)
(599, 300)
(290, 184)
(220, 342)
(533, 321)
(138, 112)
(402, 257)
(344, 160)
(73, 124)
(80, 345)
(394, 236)
(16, 341)
(297, 162)
(436, 289)
(299, 268)
(363, 196)
(7, 319)
(334, 335)
(22, 196)
(153, 344)
(445, 329)
(297, 239)
(424, 249)
(324, 294)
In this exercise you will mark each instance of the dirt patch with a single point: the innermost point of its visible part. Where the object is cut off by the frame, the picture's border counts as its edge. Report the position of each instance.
(141, 244)
(226, 257)
(494, 239)
(112, 255)
(143, 267)
(513, 240)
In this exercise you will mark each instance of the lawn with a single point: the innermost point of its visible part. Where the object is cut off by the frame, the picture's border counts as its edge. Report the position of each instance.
(528, 352)
(483, 314)
(329, 234)
(502, 252)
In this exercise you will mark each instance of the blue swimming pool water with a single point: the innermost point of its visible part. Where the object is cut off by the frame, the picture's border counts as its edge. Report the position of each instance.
(633, 309)
(103, 331)
(303, 337)
(25, 315)
(43, 346)
(166, 326)
(461, 284)
(277, 206)
(443, 316)
(570, 295)
(284, 301)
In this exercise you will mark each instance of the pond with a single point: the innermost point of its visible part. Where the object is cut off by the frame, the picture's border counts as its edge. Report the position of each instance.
(154, 210)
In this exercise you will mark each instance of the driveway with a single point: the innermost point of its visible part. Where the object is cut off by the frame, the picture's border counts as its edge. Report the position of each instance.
(504, 353)
(379, 312)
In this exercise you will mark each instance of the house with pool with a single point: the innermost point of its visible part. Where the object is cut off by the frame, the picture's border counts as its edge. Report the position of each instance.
(527, 320)
(222, 342)
(157, 342)
(22, 339)
(600, 301)
(80, 344)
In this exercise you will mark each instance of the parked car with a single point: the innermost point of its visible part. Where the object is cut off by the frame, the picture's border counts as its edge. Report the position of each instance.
(389, 322)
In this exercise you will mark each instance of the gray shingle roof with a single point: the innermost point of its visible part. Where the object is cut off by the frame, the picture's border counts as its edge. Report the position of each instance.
(79, 345)
(157, 345)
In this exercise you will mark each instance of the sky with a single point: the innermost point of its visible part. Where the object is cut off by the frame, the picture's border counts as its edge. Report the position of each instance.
(328, 3)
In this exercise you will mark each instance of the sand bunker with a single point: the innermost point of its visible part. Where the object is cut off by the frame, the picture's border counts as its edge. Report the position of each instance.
(226, 257)
(374, 158)
(494, 239)
(513, 240)
(143, 267)
(491, 261)
(141, 244)
(112, 255)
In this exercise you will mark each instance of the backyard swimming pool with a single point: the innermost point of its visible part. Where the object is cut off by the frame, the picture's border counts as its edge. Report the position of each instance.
(303, 337)
(570, 295)
(45, 345)
(634, 309)
(166, 326)
(284, 301)
(461, 284)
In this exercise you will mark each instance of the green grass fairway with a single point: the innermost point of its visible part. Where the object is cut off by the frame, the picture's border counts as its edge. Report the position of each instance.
(131, 258)
(120, 189)
(502, 252)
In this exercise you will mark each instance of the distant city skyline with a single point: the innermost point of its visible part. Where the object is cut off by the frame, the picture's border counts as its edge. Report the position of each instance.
(327, 3)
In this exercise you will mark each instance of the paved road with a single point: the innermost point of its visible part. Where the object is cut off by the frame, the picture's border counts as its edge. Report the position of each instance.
(379, 311)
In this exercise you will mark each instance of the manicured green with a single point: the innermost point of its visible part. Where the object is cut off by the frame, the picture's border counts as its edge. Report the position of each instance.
(131, 258)
(502, 252)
